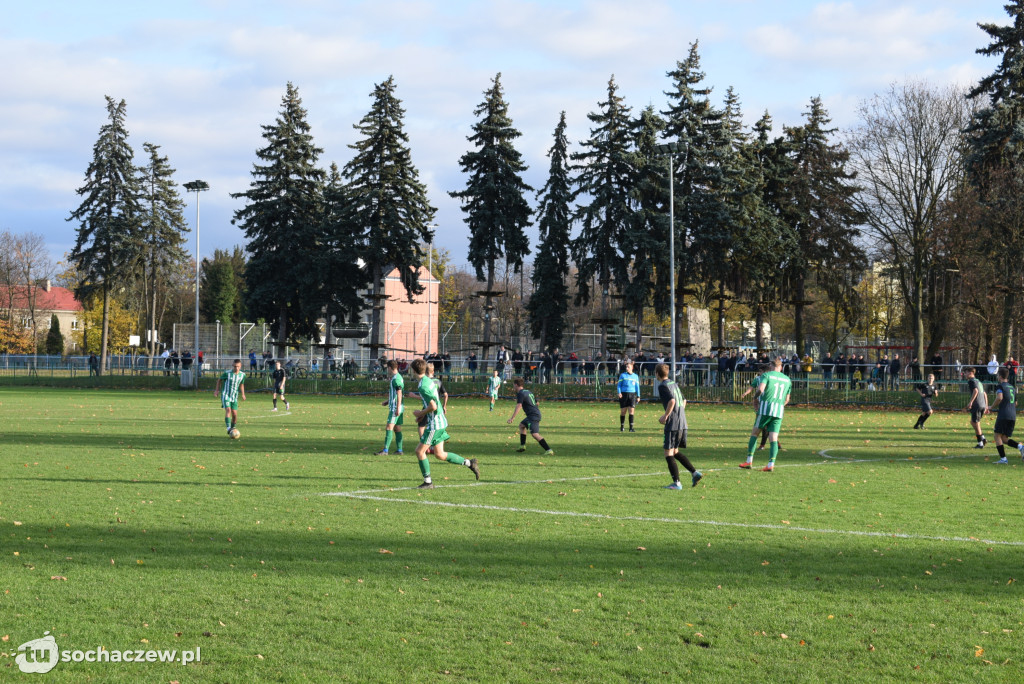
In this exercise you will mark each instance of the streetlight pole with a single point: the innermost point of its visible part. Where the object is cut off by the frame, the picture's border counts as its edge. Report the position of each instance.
(197, 186)
(667, 150)
(430, 278)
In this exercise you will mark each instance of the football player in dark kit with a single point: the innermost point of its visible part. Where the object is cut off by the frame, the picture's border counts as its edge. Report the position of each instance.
(1006, 415)
(927, 390)
(977, 405)
(674, 420)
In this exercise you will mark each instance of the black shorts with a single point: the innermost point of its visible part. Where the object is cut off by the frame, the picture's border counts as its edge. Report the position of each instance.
(278, 389)
(532, 426)
(976, 414)
(675, 439)
(926, 406)
(628, 400)
(1004, 427)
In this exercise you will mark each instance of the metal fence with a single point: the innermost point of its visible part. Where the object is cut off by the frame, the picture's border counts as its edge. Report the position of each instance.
(565, 381)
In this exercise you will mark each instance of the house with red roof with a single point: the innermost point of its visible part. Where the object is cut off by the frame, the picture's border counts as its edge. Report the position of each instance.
(18, 303)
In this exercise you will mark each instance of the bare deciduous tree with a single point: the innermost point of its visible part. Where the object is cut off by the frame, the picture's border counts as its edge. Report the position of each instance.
(908, 154)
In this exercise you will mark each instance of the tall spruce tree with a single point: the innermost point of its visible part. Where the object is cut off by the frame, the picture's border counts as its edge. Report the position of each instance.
(282, 218)
(161, 238)
(995, 161)
(821, 209)
(494, 200)
(735, 199)
(339, 274)
(647, 240)
(218, 295)
(604, 179)
(106, 244)
(701, 231)
(549, 302)
(767, 242)
(388, 202)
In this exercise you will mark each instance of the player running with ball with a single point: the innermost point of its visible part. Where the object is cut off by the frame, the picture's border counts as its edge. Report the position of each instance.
(234, 386)
(435, 431)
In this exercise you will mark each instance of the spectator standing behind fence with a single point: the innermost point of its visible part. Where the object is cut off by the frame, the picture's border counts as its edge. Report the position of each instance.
(827, 364)
(840, 368)
(936, 365)
(993, 368)
(94, 365)
(166, 356)
(471, 362)
(894, 372)
(915, 369)
(1011, 368)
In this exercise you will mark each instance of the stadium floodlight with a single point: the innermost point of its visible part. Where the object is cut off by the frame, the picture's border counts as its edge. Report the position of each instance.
(196, 186)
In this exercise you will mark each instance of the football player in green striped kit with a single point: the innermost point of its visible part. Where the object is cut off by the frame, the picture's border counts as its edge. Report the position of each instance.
(396, 410)
(772, 396)
(234, 386)
(435, 431)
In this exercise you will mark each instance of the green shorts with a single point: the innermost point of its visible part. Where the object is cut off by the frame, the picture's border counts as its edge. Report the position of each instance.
(769, 423)
(434, 437)
(395, 420)
(224, 403)
(493, 396)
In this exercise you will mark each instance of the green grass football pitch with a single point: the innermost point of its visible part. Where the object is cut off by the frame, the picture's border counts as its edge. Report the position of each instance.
(129, 521)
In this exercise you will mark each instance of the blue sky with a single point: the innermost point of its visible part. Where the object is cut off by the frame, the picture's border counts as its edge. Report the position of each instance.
(199, 78)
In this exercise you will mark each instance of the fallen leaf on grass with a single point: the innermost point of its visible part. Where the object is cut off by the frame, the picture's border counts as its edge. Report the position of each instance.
(783, 636)
(62, 578)
(978, 650)
(639, 548)
(386, 551)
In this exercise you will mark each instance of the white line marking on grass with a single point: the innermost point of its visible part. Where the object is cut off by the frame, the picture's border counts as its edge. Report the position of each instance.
(713, 523)
(371, 495)
(268, 414)
(824, 453)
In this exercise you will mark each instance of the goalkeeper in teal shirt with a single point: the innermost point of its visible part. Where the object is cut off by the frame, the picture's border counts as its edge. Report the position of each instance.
(629, 395)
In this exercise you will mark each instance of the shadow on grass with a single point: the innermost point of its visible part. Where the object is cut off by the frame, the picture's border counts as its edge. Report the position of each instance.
(565, 556)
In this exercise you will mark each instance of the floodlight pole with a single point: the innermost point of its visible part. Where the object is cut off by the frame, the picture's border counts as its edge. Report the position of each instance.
(196, 186)
(667, 150)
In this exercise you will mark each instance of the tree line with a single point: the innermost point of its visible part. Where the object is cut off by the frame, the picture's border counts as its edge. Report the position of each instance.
(784, 226)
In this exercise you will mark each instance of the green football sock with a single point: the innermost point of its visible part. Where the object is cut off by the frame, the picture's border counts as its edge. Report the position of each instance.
(454, 458)
(398, 440)
(773, 451)
(227, 421)
(750, 446)
(388, 435)
(425, 467)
